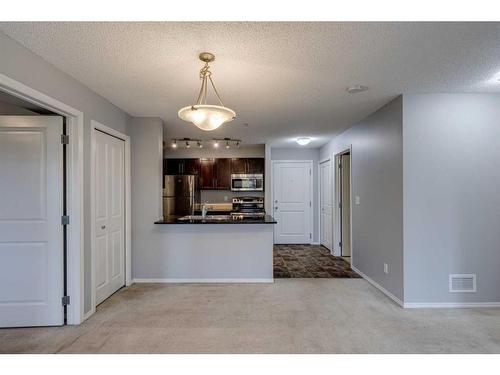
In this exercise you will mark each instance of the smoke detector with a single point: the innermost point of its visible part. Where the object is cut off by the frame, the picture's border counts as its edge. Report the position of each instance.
(356, 88)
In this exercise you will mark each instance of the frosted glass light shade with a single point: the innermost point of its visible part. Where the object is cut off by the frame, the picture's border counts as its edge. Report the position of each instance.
(207, 117)
(303, 141)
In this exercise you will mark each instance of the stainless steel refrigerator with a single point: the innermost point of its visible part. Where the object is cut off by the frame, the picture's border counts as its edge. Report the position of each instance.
(180, 195)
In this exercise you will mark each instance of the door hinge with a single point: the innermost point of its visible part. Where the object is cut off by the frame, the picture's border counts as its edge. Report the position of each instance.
(340, 244)
(340, 165)
(65, 300)
(309, 172)
(340, 205)
(65, 139)
(65, 220)
(310, 204)
(310, 235)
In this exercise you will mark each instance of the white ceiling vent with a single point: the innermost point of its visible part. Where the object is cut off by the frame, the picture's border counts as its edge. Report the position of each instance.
(462, 283)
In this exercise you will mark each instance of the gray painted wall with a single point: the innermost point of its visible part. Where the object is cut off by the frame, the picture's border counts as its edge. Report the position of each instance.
(257, 151)
(304, 154)
(146, 135)
(19, 63)
(377, 178)
(451, 200)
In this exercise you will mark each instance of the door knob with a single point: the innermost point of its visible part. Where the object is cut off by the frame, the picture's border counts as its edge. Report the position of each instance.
(103, 226)
(275, 208)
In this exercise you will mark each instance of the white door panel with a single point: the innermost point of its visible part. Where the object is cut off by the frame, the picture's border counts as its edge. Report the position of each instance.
(326, 207)
(345, 200)
(31, 234)
(109, 244)
(292, 202)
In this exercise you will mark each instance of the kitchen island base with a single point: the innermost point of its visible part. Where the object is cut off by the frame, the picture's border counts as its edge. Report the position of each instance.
(208, 253)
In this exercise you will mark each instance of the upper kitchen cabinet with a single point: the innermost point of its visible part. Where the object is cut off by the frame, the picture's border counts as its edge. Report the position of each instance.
(181, 166)
(215, 174)
(223, 174)
(207, 174)
(192, 166)
(247, 165)
(255, 165)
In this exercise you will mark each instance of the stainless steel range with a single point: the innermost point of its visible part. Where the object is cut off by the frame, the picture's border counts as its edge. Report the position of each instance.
(248, 207)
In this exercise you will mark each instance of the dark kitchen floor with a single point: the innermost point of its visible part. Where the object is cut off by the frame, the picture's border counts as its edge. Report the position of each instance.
(309, 261)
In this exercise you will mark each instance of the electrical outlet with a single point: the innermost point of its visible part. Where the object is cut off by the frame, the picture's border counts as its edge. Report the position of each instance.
(386, 268)
(357, 200)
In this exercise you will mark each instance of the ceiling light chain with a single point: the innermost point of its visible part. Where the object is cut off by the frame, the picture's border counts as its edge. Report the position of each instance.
(206, 75)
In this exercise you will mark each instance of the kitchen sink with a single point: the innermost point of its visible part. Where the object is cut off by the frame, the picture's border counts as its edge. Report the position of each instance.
(207, 217)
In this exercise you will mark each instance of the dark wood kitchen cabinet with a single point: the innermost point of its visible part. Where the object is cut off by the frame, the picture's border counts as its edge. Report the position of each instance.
(192, 166)
(181, 166)
(255, 165)
(223, 174)
(215, 174)
(247, 165)
(207, 174)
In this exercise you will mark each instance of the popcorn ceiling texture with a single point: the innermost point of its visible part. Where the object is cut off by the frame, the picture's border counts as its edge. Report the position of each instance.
(284, 79)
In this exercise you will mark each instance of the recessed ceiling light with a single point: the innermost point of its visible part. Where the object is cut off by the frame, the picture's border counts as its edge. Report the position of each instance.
(303, 141)
(356, 88)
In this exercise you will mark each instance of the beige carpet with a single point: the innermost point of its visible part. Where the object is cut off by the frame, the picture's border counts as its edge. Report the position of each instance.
(289, 316)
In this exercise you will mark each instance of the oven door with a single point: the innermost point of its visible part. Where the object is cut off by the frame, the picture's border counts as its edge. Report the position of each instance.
(247, 182)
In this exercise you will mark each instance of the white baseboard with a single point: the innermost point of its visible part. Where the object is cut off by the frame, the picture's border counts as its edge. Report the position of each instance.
(449, 305)
(205, 281)
(88, 314)
(378, 286)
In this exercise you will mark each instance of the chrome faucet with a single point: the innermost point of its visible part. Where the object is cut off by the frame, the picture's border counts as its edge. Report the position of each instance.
(204, 210)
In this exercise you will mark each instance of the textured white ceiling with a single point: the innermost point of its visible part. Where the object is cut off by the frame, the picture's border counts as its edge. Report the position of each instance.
(283, 79)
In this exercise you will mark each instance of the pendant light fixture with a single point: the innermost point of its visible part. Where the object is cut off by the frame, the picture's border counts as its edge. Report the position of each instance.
(205, 116)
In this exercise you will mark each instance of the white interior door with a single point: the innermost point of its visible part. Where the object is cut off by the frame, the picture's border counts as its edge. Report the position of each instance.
(326, 207)
(109, 214)
(345, 204)
(31, 234)
(292, 202)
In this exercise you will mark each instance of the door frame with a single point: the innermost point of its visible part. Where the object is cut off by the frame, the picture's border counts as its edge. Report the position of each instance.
(328, 159)
(311, 191)
(336, 222)
(94, 127)
(74, 184)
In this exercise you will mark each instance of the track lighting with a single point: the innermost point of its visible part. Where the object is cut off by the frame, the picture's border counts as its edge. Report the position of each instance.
(187, 144)
(200, 145)
(174, 144)
(227, 145)
(216, 144)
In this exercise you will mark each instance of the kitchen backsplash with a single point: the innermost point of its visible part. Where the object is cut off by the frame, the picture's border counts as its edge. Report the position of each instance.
(226, 196)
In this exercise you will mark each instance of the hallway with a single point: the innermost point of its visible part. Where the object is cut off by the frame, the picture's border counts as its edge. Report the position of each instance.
(309, 261)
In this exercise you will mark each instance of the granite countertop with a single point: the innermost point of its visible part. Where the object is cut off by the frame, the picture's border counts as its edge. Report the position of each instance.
(177, 220)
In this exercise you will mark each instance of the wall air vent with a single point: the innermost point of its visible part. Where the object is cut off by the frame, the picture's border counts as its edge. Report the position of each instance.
(462, 283)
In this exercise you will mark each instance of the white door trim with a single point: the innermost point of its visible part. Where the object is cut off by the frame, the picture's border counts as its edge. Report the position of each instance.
(311, 190)
(97, 126)
(326, 160)
(75, 240)
(336, 219)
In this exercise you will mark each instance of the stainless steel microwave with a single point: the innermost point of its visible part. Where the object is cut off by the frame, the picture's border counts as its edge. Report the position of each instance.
(247, 182)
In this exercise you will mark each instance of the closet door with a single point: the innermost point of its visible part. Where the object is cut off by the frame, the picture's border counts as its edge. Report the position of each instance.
(109, 211)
